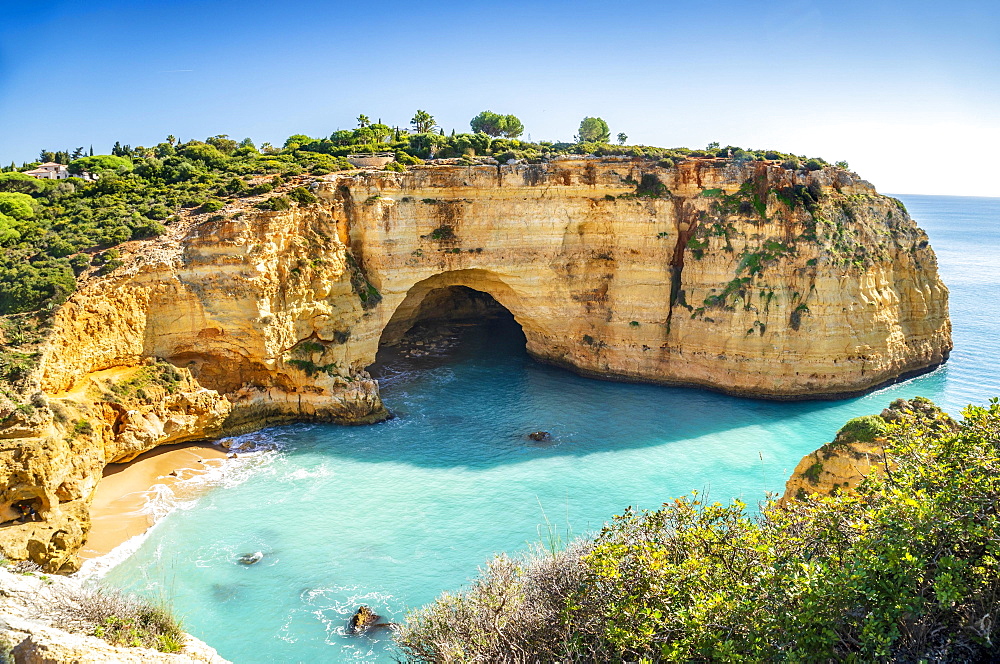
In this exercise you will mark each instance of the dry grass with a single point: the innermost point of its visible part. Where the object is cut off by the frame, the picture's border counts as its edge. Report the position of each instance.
(118, 618)
(512, 612)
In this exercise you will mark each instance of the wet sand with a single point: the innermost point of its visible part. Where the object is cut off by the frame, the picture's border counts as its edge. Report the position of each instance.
(116, 514)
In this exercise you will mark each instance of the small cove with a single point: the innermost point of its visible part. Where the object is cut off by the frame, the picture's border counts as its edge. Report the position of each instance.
(391, 515)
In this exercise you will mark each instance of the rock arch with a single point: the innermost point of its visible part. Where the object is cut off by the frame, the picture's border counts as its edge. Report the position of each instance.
(409, 309)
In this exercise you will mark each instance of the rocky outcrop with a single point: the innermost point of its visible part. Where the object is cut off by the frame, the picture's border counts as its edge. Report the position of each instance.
(53, 467)
(858, 450)
(746, 278)
(28, 603)
(738, 276)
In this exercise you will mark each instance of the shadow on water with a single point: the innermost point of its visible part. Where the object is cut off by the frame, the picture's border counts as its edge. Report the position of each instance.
(468, 394)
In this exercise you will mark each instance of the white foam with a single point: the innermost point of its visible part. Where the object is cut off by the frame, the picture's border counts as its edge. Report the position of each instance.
(257, 451)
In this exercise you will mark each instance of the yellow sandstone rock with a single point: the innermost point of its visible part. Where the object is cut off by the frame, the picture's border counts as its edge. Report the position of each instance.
(740, 277)
(857, 450)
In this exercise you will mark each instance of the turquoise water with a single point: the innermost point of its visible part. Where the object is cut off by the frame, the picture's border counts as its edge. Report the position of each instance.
(391, 515)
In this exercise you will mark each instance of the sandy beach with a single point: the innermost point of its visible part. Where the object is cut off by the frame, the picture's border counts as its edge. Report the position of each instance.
(116, 511)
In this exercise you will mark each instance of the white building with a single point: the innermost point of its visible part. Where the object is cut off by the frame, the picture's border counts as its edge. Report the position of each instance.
(53, 171)
(50, 171)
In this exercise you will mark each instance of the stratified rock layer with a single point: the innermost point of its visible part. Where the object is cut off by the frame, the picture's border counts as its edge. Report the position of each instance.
(741, 277)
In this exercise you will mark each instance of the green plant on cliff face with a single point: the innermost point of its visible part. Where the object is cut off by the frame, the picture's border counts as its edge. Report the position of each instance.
(864, 429)
(312, 369)
(442, 233)
(813, 472)
(308, 347)
(905, 568)
(275, 204)
(697, 247)
(650, 186)
(302, 196)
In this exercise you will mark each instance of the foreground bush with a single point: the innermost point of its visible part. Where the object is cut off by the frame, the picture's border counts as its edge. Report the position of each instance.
(907, 568)
(119, 619)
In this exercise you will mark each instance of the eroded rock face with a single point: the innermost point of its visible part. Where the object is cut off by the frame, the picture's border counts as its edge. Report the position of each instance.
(745, 278)
(741, 277)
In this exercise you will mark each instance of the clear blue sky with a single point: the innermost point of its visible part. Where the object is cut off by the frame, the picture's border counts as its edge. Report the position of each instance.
(907, 92)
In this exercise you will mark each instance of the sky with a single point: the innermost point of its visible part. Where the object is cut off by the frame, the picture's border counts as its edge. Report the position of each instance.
(907, 92)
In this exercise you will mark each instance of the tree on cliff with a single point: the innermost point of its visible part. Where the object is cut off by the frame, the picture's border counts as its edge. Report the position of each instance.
(423, 122)
(622, 138)
(594, 130)
(494, 124)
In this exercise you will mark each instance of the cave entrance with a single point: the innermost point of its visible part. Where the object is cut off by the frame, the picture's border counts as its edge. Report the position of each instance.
(442, 319)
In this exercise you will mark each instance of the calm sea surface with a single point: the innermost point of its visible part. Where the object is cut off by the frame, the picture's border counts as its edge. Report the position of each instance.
(391, 515)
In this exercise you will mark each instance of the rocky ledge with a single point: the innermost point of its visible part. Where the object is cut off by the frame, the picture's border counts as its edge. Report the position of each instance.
(31, 605)
(858, 450)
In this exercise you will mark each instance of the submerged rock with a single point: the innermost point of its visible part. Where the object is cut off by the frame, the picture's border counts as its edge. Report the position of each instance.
(540, 436)
(251, 558)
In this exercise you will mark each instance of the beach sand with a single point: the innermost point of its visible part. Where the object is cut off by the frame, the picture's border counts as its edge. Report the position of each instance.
(116, 514)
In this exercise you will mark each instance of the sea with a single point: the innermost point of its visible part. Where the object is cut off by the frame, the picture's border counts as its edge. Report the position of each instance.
(392, 515)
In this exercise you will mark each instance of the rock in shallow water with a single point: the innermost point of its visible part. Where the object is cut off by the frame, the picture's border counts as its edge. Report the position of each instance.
(362, 620)
(251, 558)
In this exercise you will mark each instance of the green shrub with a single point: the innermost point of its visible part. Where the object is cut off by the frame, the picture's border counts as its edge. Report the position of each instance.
(212, 206)
(395, 166)
(905, 569)
(119, 619)
(407, 159)
(302, 196)
(17, 205)
(863, 429)
(275, 203)
(650, 186)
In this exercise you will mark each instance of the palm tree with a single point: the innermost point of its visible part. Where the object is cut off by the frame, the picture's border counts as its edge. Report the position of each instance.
(622, 138)
(363, 120)
(171, 139)
(422, 122)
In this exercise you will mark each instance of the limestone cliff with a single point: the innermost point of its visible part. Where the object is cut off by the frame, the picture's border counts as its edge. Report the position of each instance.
(738, 276)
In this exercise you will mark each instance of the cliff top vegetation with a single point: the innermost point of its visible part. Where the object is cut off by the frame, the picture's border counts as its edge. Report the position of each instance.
(53, 231)
(907, 568)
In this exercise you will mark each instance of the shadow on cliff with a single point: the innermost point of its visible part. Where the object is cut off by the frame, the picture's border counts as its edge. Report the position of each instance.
(472, 401)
